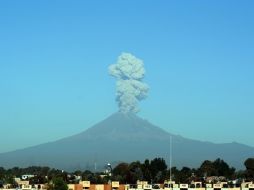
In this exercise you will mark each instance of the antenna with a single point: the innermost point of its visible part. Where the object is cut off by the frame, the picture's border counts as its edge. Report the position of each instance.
(170, 160)
(95, 162)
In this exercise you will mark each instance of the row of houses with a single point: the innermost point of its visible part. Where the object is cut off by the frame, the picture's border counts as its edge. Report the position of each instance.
(140, 185)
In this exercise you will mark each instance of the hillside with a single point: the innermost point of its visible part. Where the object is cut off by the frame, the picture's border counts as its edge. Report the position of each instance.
(124, 137)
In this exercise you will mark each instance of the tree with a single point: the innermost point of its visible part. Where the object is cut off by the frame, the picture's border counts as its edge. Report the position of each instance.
(78, 173)
(158, 168)
(2, 172)
(121, 169)
(58, 184)
(39, 179)
(146, 170)
(207, 168)
(216, 168)
(185, 174)
(174, 174)
(135, 172)
(120, 172)
(249, 164)
(223, 169)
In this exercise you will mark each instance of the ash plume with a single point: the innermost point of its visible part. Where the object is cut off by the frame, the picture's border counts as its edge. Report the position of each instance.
(129, 72)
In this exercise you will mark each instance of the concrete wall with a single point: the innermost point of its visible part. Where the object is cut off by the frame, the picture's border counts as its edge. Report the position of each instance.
(75, 186)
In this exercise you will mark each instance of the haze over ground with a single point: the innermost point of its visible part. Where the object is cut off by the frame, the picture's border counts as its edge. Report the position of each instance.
(54, 58)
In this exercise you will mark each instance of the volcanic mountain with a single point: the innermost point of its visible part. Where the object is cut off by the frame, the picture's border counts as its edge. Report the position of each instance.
(124, 137)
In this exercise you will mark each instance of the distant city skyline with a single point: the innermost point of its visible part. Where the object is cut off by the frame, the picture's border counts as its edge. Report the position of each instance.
(54, 61)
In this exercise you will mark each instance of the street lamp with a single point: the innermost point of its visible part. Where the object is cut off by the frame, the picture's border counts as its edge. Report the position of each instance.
(109, 168)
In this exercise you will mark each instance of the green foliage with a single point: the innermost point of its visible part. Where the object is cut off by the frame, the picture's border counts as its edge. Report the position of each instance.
(185, 174)
(58, 184)
(78, 173)
(158, 169)
(216, 168)
(135, 172)
(146, 170)
(2, 172)
(153, 171)
(249, 164)
(94, 178)
(207, 168)
(120, 172)
(38, 179)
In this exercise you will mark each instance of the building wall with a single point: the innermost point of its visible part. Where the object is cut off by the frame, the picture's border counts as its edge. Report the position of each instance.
(107, 187)
(78, 187)
(96, 187)
(75, 186)
(121, 187)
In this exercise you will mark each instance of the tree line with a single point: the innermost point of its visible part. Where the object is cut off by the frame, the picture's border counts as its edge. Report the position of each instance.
(156, 171)
(153, 171)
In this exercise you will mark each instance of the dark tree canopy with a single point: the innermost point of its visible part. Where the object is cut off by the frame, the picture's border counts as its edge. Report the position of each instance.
(58, 184)
(216, 168)
(249, 164)
(153, 171)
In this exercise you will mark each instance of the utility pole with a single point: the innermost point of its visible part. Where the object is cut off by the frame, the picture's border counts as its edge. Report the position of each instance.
(170, 160)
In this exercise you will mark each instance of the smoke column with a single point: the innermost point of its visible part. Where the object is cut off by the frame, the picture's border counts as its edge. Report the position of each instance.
(129, 72)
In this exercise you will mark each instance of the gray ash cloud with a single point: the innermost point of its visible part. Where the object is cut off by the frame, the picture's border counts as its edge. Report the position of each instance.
(130, 89)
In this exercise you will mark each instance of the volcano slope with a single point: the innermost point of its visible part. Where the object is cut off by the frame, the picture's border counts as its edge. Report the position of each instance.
(124, 138)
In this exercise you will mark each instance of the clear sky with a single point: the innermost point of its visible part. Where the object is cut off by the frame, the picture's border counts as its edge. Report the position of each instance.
(54, 55)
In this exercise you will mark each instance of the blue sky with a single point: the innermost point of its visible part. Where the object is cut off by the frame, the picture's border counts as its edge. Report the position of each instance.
(54, 57)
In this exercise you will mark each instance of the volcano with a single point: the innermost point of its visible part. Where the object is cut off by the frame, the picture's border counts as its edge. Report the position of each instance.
(124, 138)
